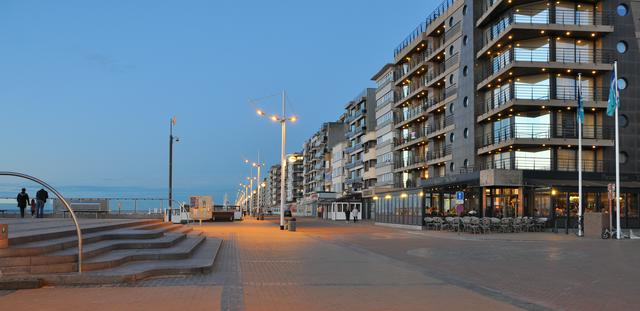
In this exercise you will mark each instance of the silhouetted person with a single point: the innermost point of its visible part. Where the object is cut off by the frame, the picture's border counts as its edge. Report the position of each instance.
(33, 208)
(347, 213)
(23, 201)
(355, 214)
(41, 197)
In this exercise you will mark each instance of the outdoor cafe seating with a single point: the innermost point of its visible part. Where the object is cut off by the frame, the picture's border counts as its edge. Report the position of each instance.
(477, 225)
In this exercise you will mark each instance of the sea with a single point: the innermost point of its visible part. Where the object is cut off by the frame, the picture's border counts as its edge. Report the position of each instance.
(121, 199)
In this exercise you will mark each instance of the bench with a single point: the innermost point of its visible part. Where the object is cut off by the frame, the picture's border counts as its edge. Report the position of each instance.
(86, 208)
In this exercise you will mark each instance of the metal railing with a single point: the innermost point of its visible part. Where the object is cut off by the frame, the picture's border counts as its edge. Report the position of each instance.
(545, 17)
(500, 97)
(432, 73)
(440, 124)
(422, 27)
(353, 148)
(543, 164)
(410, 161)
(409, 113)
(545, 131)
(356, 131)
(544, 54)
(439, 153)
(353, 164)
(411, 136)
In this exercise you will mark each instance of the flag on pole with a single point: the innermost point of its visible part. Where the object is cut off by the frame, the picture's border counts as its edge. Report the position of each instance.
(614, 96)
(580, 103)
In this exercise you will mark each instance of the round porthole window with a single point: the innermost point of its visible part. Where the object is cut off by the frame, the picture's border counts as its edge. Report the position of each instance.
(451, 108)
(466, 162)
(452, 166)
(624, 157)
(452, 137)
(624, 120)
(451, 50)
(622, 83)
(465, 71)
(451, 79)
(622, 47)
(465, 133)
(464, 10)
(465, 102)
(465, 40)
(622, 10)
(450, 21)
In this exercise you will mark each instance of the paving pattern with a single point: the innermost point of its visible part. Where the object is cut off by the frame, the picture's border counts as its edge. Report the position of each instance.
(339, 266)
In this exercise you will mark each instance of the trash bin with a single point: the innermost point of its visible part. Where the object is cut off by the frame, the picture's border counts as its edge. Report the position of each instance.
(4, 236)
(292, 224)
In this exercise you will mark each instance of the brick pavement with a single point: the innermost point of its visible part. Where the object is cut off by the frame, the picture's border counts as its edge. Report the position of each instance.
(327, 266)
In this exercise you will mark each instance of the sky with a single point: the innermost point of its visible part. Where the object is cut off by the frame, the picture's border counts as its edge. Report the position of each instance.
(87, 87)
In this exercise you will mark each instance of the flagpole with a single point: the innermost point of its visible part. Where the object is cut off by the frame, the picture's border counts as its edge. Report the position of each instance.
(580, 228)
(615, 71)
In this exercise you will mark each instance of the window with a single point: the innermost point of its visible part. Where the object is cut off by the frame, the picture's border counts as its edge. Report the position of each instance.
(451, 108)
(465, 39)
(465, 71)
(452, 137)
(622, 10)
(465, 133)
(621, 46)
(624, 120)
(623, 157)
(466, 163)
(464, 10)
(451, 79)
(385, 99)
(452, 166)
(465, 102)
(384, 119)
(622, 83)
(450, 51)
(451, 21)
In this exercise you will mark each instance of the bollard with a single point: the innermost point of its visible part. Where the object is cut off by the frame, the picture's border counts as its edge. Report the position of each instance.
(4, 236)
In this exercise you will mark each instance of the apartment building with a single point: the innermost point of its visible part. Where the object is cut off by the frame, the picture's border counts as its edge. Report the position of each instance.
(384, 128)
(273, 189)
(485, 111)
(294, 183)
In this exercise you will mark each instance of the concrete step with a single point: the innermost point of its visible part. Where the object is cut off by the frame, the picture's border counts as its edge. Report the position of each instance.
(200, 261)
(182, 250)
(149, 231)
(67, 230)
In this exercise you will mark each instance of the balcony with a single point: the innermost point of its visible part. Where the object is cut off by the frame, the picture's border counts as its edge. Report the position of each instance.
(545, 164)
(410, 163)
(530, 23)
(433, 75)
(354, 115)
(418, 32)
(539, 133)
(353, 180)
(440, 126)
(353, 148)
(405, 116)
(357, 131)
(520, 61)
(533, 96)
(438, 154)
(353, 164)
(412, 137)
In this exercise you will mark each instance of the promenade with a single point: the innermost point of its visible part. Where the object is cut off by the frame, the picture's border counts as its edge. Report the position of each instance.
(338, 266)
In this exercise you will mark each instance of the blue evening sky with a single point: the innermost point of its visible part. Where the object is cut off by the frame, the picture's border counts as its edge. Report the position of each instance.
(87, 88)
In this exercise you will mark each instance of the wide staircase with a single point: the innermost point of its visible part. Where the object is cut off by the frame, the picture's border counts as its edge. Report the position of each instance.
(112, 253)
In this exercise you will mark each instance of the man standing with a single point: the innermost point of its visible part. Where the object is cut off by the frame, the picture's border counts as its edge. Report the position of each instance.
(347, 213)
(23, 200)
(41, 197)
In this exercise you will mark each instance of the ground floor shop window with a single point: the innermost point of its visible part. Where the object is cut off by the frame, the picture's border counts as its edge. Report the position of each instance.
(502, 202)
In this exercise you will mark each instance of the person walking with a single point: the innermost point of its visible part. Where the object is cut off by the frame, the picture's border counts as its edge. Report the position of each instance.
(23, 201)
(41, 199)
(347, 213)
(355, 214)
(33, 208)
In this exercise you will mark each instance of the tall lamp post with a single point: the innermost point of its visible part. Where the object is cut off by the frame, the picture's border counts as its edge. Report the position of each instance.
(282, 119)
(257, 165)
(171, 140)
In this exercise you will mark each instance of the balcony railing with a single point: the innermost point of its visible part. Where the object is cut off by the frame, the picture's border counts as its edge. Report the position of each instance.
(440, 124)
(544, 17)
(541, 92)
(545, 55)
(543, 164)
(353, 179)
(545, 131)
(439, 153)
(417, 32)
(353, 148)
(411, 136)
(432, 73)
(356, 131)
(409, 113)
(353, 164)
(410, 161)
(354, 115)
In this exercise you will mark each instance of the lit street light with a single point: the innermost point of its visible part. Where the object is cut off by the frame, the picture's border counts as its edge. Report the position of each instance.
(283, 163)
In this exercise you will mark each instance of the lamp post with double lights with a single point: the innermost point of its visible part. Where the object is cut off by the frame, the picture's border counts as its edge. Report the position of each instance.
(282, 119)
(257, 165)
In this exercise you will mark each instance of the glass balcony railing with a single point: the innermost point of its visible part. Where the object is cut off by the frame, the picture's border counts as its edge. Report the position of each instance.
(543, 164)
(417, 32)
(544, 55)
(545, 17)
(540, 92)
(545, 131)
(410, 161)
(439, 153)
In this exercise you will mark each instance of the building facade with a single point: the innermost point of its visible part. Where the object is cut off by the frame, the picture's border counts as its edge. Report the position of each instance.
(294, 183)
(273, 189)
(485, 111)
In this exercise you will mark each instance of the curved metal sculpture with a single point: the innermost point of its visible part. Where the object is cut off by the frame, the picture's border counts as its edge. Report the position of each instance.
(66, 205)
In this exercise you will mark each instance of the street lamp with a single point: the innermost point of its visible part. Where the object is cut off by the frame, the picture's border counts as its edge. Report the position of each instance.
(171, 140)
(283, 118)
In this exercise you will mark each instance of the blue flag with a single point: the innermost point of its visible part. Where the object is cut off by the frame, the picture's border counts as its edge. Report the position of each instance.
(614, 98)
(580, 104)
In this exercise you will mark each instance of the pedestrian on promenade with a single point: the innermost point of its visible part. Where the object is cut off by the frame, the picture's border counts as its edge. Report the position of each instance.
(41, 197)
(347, 213)
(33, 208)
(23, 201)
(355, 214)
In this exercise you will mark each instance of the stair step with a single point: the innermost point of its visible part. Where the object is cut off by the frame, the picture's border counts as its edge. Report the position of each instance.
(201, 262)
(149, 231)
(182, 250)
(53, 233)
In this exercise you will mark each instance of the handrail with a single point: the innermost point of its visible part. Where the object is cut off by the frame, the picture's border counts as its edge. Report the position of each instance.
(66, 205)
